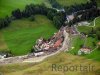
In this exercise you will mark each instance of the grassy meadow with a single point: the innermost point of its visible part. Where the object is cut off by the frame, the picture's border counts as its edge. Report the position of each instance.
(7, 6)
(45, 67)
(22, 34)
(3, 45)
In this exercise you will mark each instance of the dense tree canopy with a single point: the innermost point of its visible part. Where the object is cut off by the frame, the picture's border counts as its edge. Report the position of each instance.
(17, 13)
(4, 22)
(87, 11)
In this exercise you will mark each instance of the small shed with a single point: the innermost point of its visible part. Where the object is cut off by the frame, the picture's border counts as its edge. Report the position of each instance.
(84, 50)
(38, 53)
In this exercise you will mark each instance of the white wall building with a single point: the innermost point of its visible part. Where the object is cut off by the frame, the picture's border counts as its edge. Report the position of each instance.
(38, 53)
(84, 50)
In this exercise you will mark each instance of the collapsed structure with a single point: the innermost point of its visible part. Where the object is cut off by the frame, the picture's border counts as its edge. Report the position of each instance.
(54, 43)
(51, 45)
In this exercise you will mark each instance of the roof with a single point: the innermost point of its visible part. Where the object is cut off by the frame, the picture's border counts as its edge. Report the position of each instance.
(85, 49)
(98, 43)
(58, 42)
(70, 17)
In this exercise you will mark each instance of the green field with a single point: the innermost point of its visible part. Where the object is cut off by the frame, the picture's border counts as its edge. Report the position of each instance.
(77, 42)
(45, 67)
(22, 34)
(7, 6)
(95, 55)
(3, 45)
(70, 2)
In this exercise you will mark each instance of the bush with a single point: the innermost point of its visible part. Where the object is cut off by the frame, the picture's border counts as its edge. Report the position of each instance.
(32, 18)
(17, 14)
(32, 50)
(98, 34)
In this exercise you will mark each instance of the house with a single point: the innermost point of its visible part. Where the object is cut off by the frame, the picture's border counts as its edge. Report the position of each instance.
(79, 16)
(84, 50)
(3, 55)
(39, 41)
(60, 10)
(58, 43)
(71, 30)
(69, 18)
(83, 23)
(46, 46)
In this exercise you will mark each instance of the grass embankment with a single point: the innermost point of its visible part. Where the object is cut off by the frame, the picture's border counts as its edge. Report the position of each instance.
(98, 2)
(45, 67)
(22, 34)
(3, 45)
(77, 41)
(7, 6)
(70, 2)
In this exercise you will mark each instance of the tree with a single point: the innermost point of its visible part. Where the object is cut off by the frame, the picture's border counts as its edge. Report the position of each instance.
(8, 19)
(51, 14)
(94, 44)
(32, 18)
(57, 21)
(17, 13)
(99, 48)
(98, 34)
(4, 22)
(35, 9)
(43, 9)
(1, 23)
(55, 4)
(28, 11)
